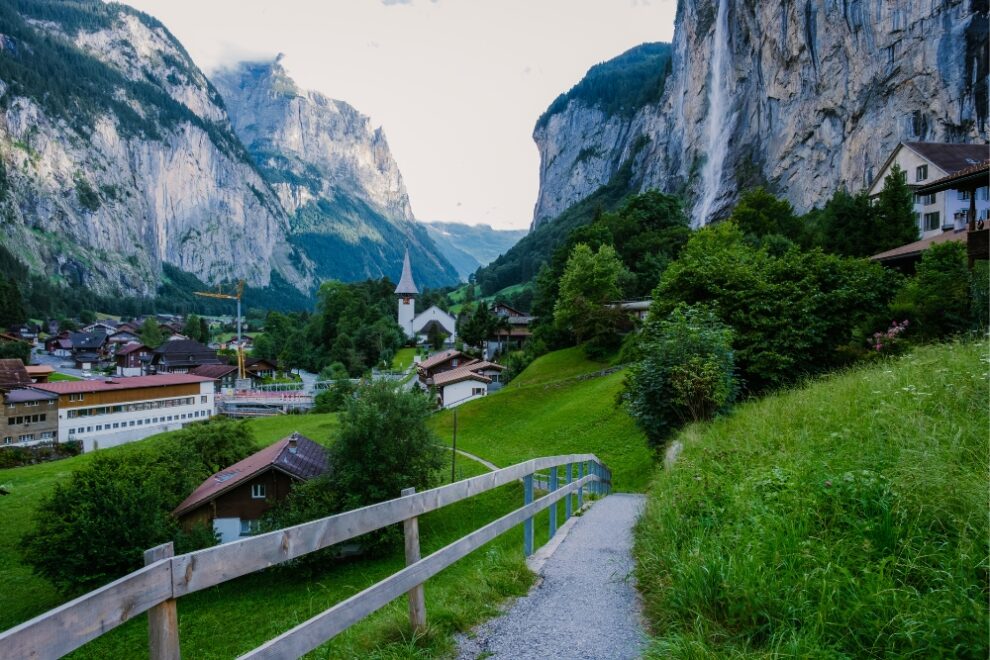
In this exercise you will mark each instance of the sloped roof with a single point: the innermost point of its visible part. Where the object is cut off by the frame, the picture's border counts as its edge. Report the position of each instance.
(131, 347)
(917, 247)
(951, 157)
(110, 384)
(24, 394)
(296, 455)
(88, 341)
(185, 352)
(214, 371)
(13, 374)
(438, 358)
(456, 375)
(406, 284)
(974, 175)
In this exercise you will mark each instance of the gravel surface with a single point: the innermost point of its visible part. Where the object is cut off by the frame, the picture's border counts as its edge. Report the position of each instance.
(586, 605)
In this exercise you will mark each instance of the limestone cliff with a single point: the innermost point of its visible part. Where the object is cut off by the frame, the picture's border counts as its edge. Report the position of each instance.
(803, 97)
(334, 175)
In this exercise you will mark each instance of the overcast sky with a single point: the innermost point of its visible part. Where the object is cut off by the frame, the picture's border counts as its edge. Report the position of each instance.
(456, 84)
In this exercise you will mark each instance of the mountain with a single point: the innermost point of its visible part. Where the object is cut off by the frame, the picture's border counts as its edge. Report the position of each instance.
(333, 173)
(468, 247)
(800, 97)
(117, 156)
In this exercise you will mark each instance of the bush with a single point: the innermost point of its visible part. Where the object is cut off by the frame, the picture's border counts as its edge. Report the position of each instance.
(335, 398)
(790, 314)
(687, 372)
(216, 444)
(979, 295)
(938, 296)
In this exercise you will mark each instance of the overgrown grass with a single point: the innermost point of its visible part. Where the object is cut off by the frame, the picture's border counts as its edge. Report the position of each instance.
(539, 417)
(403, 359)
(847, 518)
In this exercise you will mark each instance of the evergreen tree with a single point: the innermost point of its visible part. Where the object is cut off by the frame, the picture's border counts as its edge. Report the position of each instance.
(11, 304)
(849, 225)
(151, 333)
(590, 281)
(895, 210)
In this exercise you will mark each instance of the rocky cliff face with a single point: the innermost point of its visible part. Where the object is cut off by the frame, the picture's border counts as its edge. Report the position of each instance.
(333, 174)
(803, 97)
(116, 155)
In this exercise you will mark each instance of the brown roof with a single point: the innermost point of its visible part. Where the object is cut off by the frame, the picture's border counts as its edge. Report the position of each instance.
(951, 157)
(439, 358)
(975, 175)
(304, 460)
(917, 247)
(214, 371)
(457, 375)
(35, 370)
(133, 346)
(13, 374)
(6, 336)
(110, 384)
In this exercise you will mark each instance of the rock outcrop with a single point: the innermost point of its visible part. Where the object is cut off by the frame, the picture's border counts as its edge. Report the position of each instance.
(803, 97)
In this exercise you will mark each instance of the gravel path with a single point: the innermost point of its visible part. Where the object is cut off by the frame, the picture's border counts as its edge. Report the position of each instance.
(586, 606)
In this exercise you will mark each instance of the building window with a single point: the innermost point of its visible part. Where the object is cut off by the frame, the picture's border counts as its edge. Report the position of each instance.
(926, 200)
(27, 437)
(257, 491)
(477, 391)
(7, 439)
(249, 527)
(964, 195)
(983, 193)
(921, 173)
(48, 435)
(75, 397)
(202, 399)
(931, 222)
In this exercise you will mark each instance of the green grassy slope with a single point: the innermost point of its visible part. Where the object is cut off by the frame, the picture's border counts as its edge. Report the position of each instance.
(535, 416)
(844, 519)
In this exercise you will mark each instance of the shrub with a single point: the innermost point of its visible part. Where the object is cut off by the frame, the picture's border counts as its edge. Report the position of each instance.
(216, 444)
(687, 372)
(979, 295)
(938, 296)
(335, 398)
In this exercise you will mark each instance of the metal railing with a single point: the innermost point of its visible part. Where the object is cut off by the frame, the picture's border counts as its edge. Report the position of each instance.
(165, 578)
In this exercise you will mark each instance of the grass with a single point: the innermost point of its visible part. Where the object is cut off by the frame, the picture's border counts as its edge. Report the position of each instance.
(56, 377)
(403, 359)
(540, 415)
(847, 518)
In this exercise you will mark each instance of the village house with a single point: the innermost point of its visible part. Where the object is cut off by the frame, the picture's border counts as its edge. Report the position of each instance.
(180, 356)
(89, 349)
(439, 362)
(111, 411)
(121, 338)
(512, 333)
(234, 500)
(29, 417)
(13, 375)
(224, 375)
(418, 326)
(59, 345)
(39, 373)
(132, 359)
(458, 378)
(923, 163)
(259, 368)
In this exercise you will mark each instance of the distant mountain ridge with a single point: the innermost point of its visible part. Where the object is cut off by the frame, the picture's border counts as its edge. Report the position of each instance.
(468, 247)
(118, 156)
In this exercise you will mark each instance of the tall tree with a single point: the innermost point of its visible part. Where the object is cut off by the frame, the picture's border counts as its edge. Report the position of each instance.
(590, 281)
(895, 210)
(151, 333)
(11, 303)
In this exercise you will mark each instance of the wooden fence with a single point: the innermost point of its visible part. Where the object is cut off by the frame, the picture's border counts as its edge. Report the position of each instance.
(155, 588)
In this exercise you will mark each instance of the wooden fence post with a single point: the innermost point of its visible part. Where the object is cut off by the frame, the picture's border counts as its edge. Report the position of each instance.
(163, 619)
(528, 525)
(553, 509)
(568, 508)
(580, 488)
(417, 598)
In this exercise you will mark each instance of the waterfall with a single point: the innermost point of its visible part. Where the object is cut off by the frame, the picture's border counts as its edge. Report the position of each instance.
(719, 124)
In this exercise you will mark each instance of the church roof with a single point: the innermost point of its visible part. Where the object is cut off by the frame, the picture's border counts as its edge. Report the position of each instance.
(406, 284)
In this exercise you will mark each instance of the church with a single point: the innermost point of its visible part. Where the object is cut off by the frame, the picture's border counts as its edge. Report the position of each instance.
(417, 326)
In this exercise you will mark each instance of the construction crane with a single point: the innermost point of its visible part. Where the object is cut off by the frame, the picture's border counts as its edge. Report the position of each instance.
(231, 296)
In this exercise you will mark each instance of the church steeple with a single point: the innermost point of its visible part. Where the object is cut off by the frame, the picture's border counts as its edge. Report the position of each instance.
(406, 286)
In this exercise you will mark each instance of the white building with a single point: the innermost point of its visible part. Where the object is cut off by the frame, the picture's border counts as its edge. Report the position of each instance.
(924, 162)
(417, 326)
(114, 411)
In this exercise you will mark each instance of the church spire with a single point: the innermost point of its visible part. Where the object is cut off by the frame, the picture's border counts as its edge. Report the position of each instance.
(406, 285)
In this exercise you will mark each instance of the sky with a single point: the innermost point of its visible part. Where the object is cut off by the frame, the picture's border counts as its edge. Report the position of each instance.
(457, 85)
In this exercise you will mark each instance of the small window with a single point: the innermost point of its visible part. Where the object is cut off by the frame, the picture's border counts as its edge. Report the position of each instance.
(964, 195)
(249, 527)
(921, 173)
(7, 439)
(931, 221)
(75, 397)
(202, 399)
(257, 491)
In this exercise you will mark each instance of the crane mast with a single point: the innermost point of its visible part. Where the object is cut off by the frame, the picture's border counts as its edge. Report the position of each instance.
(219, 294)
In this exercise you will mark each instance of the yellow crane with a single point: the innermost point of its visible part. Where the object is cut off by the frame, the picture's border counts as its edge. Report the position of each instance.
(231, 296)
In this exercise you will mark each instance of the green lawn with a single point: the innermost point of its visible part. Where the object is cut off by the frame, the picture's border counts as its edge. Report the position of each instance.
(403, 359)
(535, 416)
(847, 518)
(56, 377)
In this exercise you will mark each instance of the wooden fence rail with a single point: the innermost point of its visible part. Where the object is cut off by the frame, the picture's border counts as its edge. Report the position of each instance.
(165, 578)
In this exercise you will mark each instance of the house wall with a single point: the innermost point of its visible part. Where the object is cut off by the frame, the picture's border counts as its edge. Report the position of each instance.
(228, 510)
(461, 392)
(29, 432)
(185, 404)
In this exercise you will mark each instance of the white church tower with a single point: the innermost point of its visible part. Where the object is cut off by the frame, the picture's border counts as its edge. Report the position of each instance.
(406, 291)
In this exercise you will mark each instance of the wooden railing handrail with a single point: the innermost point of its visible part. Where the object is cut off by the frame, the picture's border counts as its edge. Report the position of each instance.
(69, 626)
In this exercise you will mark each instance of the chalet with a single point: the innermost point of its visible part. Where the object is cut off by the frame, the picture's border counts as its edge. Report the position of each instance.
(13, 375)
(179, 356)
(110, 412)
(39, 373)
(106, 326)
(470, 381)
(122, 338)
(234, 500)
(26, 332)
(60, 345)
(925, 162)
(512, 332)
(133, 358)
(89, 349)
(258, 368)
(127, 326)
(224, 375)
(30, 417)
(439, 362)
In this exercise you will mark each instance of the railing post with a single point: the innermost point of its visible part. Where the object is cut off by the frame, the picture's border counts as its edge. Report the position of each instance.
(528, 525)
(163, 619)
(581, 488)
(417, 599)
(568, 508)
(553, 507)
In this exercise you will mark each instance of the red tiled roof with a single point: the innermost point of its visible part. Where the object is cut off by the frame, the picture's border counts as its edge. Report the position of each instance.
(457, 375)
(131, 347)
(111, 384)
(307, 461)
(13, 374)
(438, 358)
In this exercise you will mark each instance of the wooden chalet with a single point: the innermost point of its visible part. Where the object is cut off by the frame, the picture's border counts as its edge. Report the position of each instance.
(133, 358)
(234, 500)
(223, 375)
(180, 356)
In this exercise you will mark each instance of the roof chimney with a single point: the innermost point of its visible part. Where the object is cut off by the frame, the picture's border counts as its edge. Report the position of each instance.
(293, 444)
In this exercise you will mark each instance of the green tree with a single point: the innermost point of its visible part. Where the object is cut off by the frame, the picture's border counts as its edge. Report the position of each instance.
(476, 325)
(938, 296)
(436, 336)
(895, 211)
(11, 303)
(87, 316)
(151, 333)
(191, 328)
(848, 225)
(760, 214)
(18, 350)
(687, 372)
(590, 281)
(217, 443)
